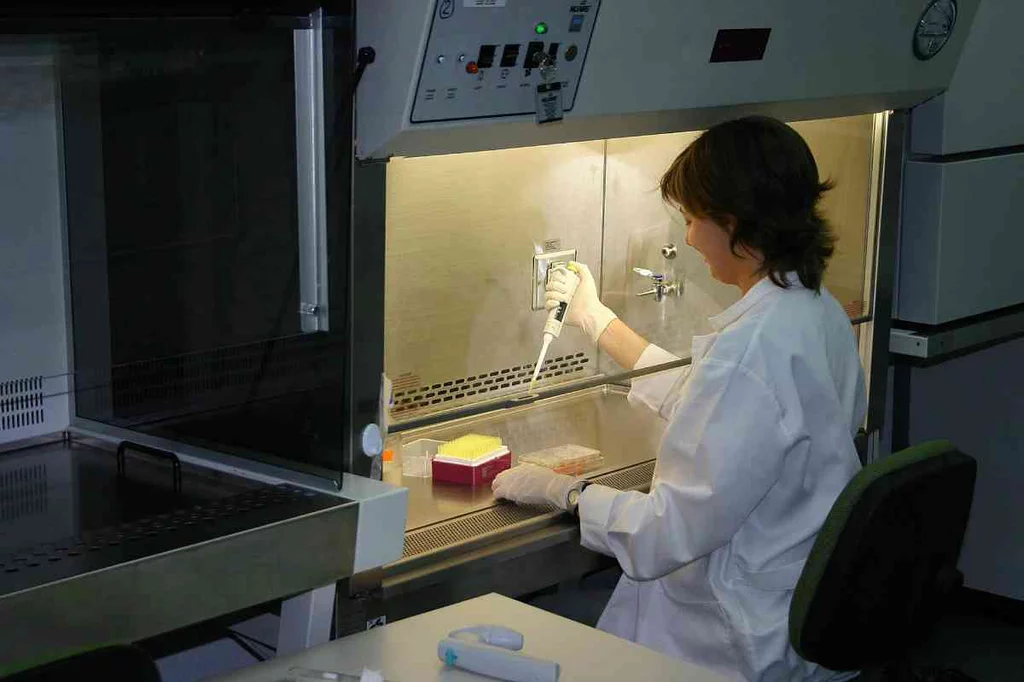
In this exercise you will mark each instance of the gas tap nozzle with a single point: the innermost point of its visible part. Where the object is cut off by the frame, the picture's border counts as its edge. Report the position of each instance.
(662, 287)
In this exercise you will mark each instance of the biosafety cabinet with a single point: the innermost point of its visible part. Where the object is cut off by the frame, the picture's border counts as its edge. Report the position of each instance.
(489, 176)
(178, 398)
(287, 244)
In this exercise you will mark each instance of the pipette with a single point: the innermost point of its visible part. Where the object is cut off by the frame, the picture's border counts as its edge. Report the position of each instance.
(553, 325)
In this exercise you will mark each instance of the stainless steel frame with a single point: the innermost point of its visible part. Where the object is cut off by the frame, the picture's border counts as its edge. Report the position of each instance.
(947, 340)
(312, 176)
(895, 133)
(365, 308)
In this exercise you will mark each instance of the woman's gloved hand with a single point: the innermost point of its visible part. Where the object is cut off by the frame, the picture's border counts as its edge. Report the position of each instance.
(586, 310)
(534, 485)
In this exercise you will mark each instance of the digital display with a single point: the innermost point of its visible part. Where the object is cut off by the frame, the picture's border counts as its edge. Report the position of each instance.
(740, 44)
(485, 59)
(509, 56)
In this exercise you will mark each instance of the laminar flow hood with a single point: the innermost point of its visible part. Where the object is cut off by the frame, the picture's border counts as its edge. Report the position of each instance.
(466, 75)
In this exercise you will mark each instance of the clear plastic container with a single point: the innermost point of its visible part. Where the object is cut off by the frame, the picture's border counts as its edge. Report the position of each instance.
(565, 459)
(416, 457)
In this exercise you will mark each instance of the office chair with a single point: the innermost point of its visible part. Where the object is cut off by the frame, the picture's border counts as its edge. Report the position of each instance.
(119, 662)
(884, 565)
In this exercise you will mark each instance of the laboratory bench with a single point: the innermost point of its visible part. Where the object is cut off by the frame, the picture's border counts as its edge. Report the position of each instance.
(409, 650)
(461, 542)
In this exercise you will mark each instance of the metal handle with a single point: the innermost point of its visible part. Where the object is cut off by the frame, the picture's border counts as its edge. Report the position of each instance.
(157, 453)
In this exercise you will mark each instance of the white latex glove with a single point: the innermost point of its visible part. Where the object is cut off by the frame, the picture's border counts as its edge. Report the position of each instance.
(586, 310)
(534, 485)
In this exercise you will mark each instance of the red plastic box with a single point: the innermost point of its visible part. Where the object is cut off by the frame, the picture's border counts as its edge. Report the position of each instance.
(479, 473)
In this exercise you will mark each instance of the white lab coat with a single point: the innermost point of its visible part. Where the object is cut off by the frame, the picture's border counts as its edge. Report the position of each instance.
(758, 446)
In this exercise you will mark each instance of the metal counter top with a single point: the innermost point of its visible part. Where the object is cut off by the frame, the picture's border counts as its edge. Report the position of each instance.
(461, 543)
(88, 556)
(599, 418)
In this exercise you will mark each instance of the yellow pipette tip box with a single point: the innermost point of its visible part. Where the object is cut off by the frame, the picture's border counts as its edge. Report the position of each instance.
(470, 447)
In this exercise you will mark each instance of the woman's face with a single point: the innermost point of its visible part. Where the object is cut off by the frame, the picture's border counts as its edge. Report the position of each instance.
(711, 240)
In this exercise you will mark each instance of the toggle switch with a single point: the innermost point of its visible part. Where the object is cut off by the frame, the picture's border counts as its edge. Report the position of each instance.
(534, 51)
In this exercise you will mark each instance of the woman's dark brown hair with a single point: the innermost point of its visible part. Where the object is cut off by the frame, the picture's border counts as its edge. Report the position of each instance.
(757, 175)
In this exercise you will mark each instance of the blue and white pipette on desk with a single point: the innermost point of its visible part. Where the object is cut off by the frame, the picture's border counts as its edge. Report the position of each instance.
(494, 650)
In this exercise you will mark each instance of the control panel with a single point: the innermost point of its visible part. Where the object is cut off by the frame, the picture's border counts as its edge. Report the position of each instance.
(502, 58)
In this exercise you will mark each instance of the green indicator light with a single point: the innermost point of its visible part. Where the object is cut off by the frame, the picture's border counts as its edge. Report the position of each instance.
(541, 28)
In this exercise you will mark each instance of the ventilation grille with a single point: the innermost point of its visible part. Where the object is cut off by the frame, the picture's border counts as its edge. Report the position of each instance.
(22, 492)
(496, 519)
(445, 534)
(474, 388)
(632, 478)
(21, 403)
(269, 366)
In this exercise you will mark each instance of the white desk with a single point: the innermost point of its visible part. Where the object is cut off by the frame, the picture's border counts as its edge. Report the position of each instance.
(407, 650)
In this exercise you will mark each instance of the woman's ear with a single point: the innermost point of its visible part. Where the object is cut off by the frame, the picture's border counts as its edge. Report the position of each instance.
(728, 223)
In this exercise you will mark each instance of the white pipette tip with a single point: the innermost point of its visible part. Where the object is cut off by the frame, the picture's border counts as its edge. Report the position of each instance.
(545, 344)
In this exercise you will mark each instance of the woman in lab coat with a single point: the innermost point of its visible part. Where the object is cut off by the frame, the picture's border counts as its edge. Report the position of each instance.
(760, 432)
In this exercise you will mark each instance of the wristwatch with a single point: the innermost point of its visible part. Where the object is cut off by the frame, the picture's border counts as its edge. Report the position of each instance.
(573, 498)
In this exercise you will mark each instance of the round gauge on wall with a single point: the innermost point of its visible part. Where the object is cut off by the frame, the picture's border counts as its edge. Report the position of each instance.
(934, 28)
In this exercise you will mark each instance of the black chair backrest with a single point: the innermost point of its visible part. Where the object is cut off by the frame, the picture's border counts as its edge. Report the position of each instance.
(885, 560)
(121, 662)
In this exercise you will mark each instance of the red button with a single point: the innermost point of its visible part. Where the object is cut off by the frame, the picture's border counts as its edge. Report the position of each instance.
(472, 68)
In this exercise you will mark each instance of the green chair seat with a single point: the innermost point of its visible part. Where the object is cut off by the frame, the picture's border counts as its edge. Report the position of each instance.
(885, 561)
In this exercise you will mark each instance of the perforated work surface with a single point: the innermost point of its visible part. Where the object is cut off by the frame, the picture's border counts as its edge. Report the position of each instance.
(101, 548)
(629, 479)
(22, 492)
(491, 520)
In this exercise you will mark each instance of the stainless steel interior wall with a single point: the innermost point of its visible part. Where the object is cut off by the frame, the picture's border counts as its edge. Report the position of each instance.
(462, 231)
(638, 224)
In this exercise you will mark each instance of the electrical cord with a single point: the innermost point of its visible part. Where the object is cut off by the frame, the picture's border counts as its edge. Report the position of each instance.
(253, 640)
(248, 648)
